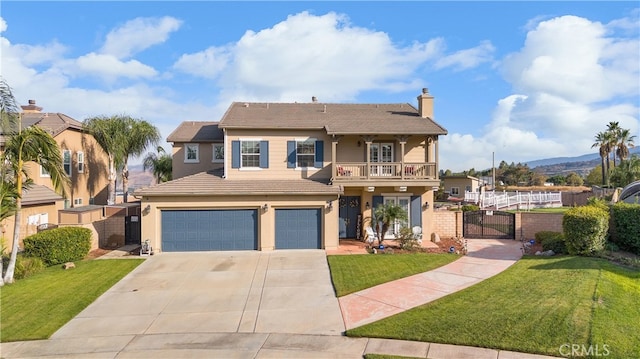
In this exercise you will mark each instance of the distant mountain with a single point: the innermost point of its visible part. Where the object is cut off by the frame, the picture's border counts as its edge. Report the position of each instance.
(582, 165)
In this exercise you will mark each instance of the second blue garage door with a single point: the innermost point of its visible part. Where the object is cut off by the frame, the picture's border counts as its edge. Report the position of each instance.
(209, 230)
(298, 228)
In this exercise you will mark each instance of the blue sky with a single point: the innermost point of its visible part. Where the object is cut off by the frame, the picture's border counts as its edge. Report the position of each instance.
(526, 80)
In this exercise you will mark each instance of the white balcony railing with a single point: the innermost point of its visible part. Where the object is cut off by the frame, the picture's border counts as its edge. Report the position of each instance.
(500, 200)
(386, 170)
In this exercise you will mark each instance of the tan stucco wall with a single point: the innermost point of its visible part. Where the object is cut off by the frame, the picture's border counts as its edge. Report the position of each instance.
(181, 168)
(92, 182)
(152, 221)
(7, 225)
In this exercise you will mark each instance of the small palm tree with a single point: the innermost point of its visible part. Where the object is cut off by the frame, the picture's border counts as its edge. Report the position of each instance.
(602, 142)
(385, 215)
(32, 144)
(625, 141)
(160, 164)
(613, 134)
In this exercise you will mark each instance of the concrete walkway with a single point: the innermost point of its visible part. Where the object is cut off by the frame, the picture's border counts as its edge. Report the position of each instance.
(485, 259)
(257, 305)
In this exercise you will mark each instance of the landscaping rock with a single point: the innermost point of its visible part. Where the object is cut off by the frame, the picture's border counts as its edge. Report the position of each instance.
(546, 253)
(435, 238)
(68, 265)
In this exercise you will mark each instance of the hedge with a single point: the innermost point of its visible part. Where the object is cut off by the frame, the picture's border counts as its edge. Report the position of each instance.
(585, 229)
(59, 245)
(552, 241)
(626, 226)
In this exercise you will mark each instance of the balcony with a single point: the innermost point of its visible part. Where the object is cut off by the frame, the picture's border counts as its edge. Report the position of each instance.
(387, 173)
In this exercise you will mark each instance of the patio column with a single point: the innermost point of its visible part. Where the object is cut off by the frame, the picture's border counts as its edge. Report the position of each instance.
(334, 151)
(368, 140)
(403, 141)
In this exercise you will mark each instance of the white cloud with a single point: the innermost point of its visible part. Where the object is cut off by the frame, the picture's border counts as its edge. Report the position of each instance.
(468, 58)
(3, 25)
(110, 68)
(572, 76)
(139, 34)
(306, 55)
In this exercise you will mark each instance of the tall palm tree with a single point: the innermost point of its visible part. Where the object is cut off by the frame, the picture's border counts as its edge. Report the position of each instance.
(625, 141)
(602, 142)
(613, 131)
(140, 135)
(110, 134)
(32, 144)
(161, 165)
(9, 110)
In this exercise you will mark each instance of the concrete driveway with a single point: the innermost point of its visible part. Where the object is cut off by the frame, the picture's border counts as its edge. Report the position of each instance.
(217, 292)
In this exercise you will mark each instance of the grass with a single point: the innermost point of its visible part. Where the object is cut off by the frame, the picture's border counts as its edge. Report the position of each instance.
(351, 273)
(536, 306)
(35, 307)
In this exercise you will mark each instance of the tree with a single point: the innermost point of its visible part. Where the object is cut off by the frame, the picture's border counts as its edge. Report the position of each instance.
(573, 179)
(613, 133)
(160, 164)
(624, 142)
(140, 135)
(603, 144)
(595, 176)
(557, 180)
(627, 172)
(109, 133)
(32, 144)
(384, 215)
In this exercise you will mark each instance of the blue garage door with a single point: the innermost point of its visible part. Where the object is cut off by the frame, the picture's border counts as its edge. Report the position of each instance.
(298, 228)
(209, 230)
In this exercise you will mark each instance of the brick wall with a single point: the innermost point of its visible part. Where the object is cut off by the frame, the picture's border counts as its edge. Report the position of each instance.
(448, 224)
(528, 224)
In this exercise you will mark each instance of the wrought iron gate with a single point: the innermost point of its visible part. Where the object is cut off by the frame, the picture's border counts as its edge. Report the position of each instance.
(489, 225)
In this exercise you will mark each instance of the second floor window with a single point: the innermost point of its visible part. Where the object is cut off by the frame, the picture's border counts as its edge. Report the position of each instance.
(305, 153)
(66, 162)
(191, 153)
(218, 152)
(80, 162)
(250, 152)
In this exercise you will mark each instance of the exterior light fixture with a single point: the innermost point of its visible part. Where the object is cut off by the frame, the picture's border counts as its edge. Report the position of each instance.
(367, 206)
(329, 204)
(265, 207)
(426, 205)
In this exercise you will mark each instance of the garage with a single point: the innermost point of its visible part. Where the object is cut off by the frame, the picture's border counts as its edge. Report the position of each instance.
(298, 228)
(209, 230)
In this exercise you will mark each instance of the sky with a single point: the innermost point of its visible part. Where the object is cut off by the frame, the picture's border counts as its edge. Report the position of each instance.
(516, 80)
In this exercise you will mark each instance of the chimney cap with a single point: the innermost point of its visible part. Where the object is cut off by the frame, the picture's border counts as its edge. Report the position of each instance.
(314, 99)
(425, 90)
(32, 102)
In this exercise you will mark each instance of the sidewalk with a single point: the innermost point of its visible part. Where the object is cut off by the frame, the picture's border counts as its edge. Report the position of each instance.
(485, 259)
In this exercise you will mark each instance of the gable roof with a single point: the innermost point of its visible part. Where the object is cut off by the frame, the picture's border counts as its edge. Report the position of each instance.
(211, 183)
(54, 123)
(335, 118)
(194, 131)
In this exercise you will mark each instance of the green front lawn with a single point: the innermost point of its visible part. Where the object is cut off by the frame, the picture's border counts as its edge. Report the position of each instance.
(538, 305)
(351, 273)
(35, 307)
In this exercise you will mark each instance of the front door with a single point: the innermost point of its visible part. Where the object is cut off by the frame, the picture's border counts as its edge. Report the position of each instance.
(349, 213)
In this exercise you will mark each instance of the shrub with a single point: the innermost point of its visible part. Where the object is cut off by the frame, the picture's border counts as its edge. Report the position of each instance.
(407, 240)
(626, 225)
(552, 241)
(470, 208)
(59, 245)
(28, 266)
(585, 229)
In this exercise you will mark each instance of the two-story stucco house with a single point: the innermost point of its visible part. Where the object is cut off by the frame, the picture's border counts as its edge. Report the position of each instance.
(293, 175)
(83, 160)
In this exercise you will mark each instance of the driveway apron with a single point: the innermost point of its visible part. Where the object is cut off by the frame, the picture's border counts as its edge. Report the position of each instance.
(217, 292)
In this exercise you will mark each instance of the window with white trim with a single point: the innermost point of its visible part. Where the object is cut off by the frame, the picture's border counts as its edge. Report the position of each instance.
(80, 155)
(43, 172)
(455, 191)
(305, 153)
(250, 153)
(77, 201)
(191, 153)
(66, 162)
(218, 153)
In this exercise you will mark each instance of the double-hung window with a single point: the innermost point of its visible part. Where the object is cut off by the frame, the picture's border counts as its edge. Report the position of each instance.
(249, 153)
(191, 153)
(66, 162)
(80, 162)
(218, 152)
(307, 153)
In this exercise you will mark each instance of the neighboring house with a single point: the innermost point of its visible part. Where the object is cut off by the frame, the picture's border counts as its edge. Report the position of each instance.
(83, 160)
(294, 175)
(456, 186)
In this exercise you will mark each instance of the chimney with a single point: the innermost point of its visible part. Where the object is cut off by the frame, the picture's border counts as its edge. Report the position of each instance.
(314, 99)
(425, 104)
(31, 108)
